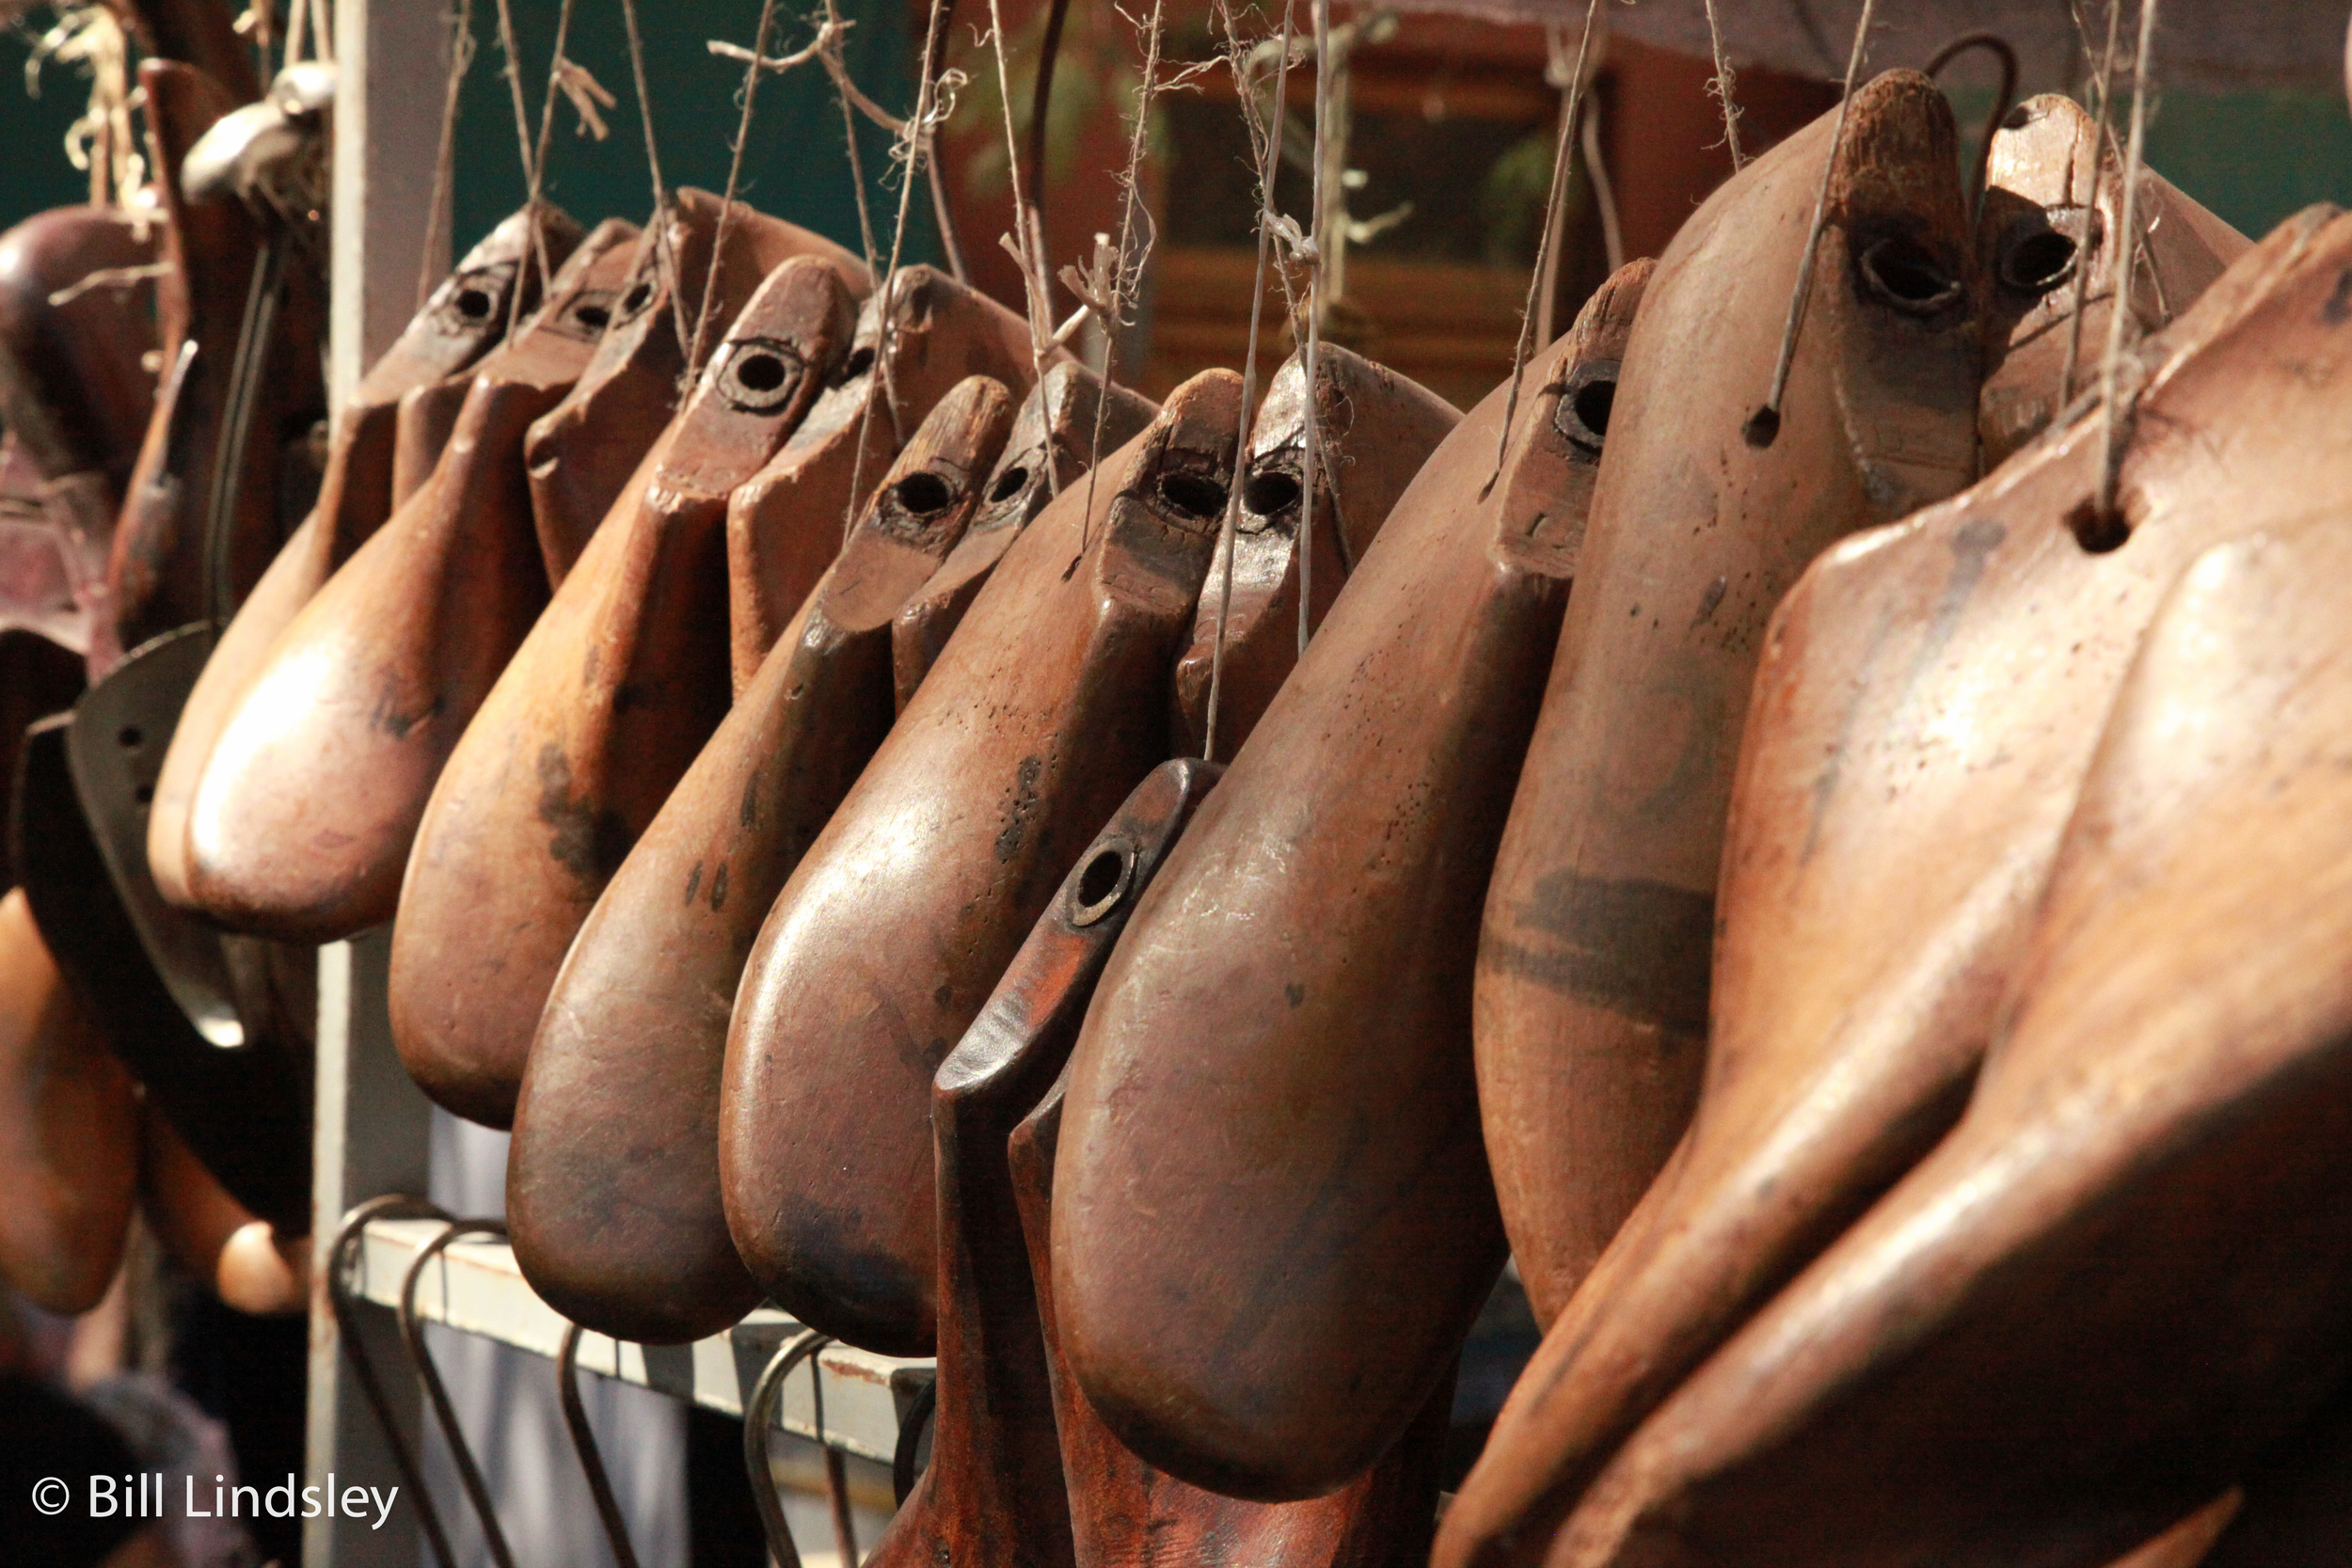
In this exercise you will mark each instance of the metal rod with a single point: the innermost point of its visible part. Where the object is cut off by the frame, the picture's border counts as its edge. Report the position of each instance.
(412, 1330)
(584, 1445)
(339, 1256)
(759, 1414)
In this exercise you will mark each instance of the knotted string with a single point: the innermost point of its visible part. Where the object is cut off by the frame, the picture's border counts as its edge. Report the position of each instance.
(1721, 90)
(825, 48)
(934, 61)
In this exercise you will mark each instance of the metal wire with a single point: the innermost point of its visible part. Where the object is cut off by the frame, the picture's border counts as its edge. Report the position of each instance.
(1569, 114)
(918, 1420)
(759, 1414)
(338, 1254)
(256, 335)
(1268, 139)
(2006, 53)
(412, 1330)
(584, 1445)
(1763, 426)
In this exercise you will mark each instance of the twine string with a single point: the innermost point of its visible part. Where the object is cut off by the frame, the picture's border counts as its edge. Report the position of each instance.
(1721, 91)
(538, 165)
(1027, 251)
(752, 74)
(1122, 266)
(1265, 143)
(2103, 96)
(438, 217)
(661, 238)
(2119, 312)
(1569, 113)
(522, 139)
(1328, 190)
(914, 146)
(934, 61)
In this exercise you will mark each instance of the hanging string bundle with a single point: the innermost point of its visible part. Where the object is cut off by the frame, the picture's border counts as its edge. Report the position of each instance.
(913, 147)
(916, 146)
(565, 77)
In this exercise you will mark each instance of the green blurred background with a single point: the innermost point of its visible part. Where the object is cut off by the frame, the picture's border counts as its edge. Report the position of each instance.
(2251, 157)
(793, 165)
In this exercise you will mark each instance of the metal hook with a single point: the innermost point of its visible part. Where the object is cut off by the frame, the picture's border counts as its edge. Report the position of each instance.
(759, 1414)
(338, 1254)
(2000, 48)
(584, 1445)
(469, 1473)
(918, 1419)
(256, 335)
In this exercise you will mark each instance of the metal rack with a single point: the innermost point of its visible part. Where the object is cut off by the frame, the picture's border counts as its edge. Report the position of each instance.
(474, 1285)
(372, 1124)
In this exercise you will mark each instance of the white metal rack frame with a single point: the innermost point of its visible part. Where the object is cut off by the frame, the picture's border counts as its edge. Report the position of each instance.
(474, 1285)
(372, 1124)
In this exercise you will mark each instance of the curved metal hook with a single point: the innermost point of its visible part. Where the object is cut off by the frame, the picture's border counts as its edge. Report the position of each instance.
(256, 333)
(584, 1445)
(469, 1473)
(919, 1413)
(2002, 50)
(1041, 100)
(338, 1254)
(759, 1414)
